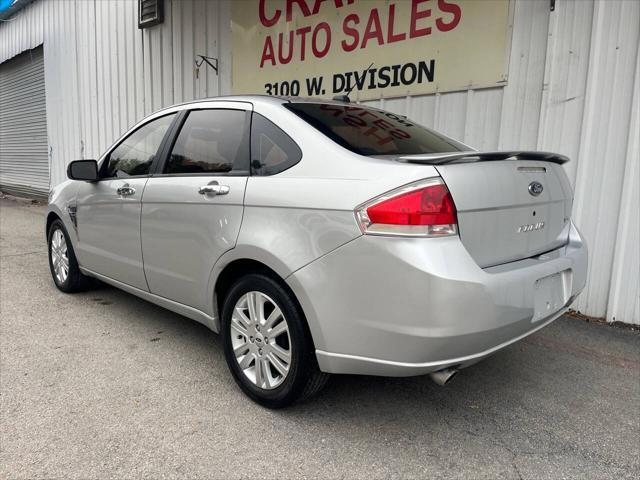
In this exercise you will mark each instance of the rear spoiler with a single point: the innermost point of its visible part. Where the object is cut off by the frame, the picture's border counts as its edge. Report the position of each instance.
(472, 156)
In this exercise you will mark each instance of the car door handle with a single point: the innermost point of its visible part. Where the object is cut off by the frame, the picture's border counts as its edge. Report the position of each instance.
(126, 190)
(214, 189)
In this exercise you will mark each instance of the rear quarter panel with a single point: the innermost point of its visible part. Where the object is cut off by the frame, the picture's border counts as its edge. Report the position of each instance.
(281, 218)
(299, 215)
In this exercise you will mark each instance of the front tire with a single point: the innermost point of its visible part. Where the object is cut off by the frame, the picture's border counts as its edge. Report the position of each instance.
(62, 260)
(267, 346)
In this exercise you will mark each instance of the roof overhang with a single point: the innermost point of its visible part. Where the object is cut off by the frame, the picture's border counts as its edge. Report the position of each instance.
(10, 7)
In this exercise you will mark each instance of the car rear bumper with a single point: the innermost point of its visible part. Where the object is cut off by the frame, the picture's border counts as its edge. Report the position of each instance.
(408, 306)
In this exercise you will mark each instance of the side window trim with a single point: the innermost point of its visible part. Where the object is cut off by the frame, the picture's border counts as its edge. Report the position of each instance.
(175, 132)
(105, 159)
(167, 143)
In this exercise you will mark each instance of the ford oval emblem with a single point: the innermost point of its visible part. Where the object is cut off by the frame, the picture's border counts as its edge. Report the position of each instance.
(535, 188)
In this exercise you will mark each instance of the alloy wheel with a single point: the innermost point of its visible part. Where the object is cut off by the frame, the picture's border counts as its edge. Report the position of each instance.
(59, 256)
(260, 340)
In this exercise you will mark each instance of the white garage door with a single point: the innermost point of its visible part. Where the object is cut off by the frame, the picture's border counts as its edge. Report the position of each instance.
(24, 163)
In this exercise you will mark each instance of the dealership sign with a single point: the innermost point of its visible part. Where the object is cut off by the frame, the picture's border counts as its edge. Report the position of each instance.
(374, 48)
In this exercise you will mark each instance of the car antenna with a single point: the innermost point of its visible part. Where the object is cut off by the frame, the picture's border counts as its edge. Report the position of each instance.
(345, 98)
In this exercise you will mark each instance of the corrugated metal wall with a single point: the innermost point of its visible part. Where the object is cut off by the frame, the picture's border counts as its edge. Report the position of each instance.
(103, 74)
(624, 298)
(572, 77)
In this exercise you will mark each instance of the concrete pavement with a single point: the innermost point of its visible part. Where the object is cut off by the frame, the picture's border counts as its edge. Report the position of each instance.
(104, 385)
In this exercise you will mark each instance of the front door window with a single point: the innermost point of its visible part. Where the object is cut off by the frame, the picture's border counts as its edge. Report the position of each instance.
(135, 154)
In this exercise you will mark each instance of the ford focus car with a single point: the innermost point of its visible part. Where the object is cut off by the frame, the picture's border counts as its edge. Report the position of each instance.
(322, 237)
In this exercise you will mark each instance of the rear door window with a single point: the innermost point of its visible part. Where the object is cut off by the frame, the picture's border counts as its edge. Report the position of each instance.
(368, 131)
(272, 150)
(211, 142)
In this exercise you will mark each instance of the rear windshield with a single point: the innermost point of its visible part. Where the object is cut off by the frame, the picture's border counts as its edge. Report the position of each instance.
(368, 131)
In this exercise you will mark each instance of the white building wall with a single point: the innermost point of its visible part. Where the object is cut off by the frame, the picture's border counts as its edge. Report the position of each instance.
(572, 76)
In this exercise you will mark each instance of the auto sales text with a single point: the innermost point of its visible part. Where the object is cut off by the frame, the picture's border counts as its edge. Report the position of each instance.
(355, 32)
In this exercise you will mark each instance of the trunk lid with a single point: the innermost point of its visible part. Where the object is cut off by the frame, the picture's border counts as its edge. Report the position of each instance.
(499, 219)
(502, 214)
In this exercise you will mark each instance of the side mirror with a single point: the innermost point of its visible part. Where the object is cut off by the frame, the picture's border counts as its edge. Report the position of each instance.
(86, 170)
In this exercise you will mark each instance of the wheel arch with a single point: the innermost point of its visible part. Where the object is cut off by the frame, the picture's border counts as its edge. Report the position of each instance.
(235, 268)
(53, 214)
(51, 217)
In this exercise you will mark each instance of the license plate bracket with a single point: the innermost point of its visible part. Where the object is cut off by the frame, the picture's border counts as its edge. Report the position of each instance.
(551, 293)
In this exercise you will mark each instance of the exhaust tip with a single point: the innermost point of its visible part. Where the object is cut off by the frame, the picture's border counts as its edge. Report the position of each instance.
(444, 376)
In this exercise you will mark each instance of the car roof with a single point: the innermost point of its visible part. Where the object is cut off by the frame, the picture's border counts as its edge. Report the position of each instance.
(259, 99)
(255, 100)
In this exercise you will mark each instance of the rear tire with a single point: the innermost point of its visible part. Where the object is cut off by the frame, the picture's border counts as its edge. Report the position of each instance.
(267, 345)
(62, 260)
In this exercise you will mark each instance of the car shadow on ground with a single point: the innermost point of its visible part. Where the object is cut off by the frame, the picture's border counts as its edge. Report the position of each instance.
(494, 380)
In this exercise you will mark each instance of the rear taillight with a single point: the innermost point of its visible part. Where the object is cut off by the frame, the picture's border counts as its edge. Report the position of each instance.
(422, 209)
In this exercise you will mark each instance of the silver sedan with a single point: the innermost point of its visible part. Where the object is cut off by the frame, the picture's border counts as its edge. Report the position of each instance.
(322, 237)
